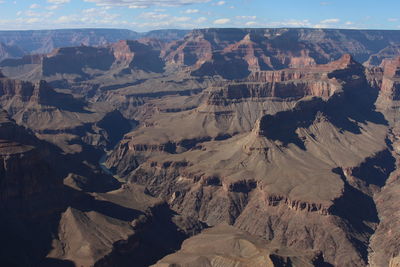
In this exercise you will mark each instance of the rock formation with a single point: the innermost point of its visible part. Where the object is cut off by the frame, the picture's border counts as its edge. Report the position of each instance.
(224, 245)
(283, 142)
(226, 181)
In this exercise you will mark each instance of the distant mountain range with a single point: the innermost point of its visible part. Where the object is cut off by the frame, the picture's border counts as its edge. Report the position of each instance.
(18, 43)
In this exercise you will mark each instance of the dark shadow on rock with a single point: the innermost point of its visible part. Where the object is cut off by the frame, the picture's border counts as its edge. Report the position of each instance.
(355, 206)
(376, 170)
(157, 238)
(67, 102)
(146, 58)
(51, 262)
(347, 110)
(73, 60)
(116, 127)
(228, 66)
(87, 203)
(27, 231)
(358, 210)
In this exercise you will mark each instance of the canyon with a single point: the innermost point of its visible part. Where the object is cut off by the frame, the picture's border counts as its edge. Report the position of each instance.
(210, 147)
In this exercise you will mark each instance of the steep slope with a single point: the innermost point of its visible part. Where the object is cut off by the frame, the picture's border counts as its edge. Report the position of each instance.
(255, 128)
(384, 243)
(20, 152)
(119, 227)
(230, 108)
(225, 245)
(18, 43)
(10, 51)
(31, 192)
(245, 180)
(216, 51)
(70, 123)
(45, 223)
(44, 41)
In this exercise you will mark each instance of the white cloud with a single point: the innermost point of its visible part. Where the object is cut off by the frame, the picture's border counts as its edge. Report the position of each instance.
(201, 20)
(144, 3)
(34, 6)
(221, 21)
(33, 20)
(329, 21)
(58, 2)
(53, 7)
(251, 23)
(137, 6)
(393, 19)
(153, 16)
(289, 23)
(66, 19)
(31, 13)
(191, 11)
(246, 17)
(220, 3)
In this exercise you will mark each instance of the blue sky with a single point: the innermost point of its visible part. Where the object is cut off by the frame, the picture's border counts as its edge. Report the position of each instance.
(144, 15)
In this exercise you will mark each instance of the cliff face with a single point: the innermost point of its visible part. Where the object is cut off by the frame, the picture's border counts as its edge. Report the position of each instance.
(60, 118)
(384, 242)
(26, 170)
(226, 246)
(134, 54)
(234, 107)
(74, 59)
(390, 83)
(228, 53)
(287, 118)
(277, 132)
(10, 51)
(47, 222)
(213, 51)
(15, 44)
(31, 42)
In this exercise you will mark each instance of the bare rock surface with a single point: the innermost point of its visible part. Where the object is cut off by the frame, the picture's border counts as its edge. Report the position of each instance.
(260, 180)
(278, 140)
(225, 245)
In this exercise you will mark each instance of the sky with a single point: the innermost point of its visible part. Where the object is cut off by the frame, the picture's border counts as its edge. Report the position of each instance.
(145, 15)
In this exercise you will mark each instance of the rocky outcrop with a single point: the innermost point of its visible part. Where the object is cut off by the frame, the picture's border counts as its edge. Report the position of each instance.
(10, 51)
(137, 55)
(226, 108)
(384, 243)
(246, 176)
(214, 51)
(44, 41)
(391, 51)
(25, 60)
(20, 92)
(226, 246)
(390, 82)
(26, 169)
(237, 126)
(73, 60)
(118, 227)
